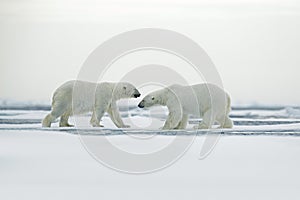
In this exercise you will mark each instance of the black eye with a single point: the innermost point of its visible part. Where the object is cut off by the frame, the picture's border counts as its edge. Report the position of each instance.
(152, 98)
(124, 87)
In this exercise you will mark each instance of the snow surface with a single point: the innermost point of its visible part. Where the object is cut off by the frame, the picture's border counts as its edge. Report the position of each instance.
(257, 159)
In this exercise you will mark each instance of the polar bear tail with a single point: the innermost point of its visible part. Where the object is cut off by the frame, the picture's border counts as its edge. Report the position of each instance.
(228, 109)
(54, 97)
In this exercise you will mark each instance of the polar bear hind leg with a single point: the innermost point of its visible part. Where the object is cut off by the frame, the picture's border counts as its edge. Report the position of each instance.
(57, 111)
(223, 119)
(96, 117)
(64, 119)
(208, 120)
(227, 123)
(173, 120)
(48, 120)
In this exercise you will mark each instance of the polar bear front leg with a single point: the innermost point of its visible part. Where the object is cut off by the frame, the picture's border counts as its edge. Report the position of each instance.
(182, 124)
(114, 114)
(172, 121)
(94, 121)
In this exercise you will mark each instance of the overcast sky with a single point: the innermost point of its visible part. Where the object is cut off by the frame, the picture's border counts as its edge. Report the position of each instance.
(254, 44)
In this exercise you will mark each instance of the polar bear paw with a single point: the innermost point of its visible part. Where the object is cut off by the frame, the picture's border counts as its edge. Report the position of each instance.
(125, 126)
(66, 125)
(97, 125)
(201, 126)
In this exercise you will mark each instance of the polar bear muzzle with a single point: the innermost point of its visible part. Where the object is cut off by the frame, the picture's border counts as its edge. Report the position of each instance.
(141, 104)
(136, 93)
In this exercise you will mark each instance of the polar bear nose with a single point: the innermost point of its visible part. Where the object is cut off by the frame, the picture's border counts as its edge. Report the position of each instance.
(141, 104)
(136, 93)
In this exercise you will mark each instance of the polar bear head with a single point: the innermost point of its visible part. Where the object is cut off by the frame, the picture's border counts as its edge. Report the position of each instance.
(125, 90)
(158, 97)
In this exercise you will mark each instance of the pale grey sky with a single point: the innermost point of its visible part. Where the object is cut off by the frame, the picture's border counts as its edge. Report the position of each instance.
(254, 44)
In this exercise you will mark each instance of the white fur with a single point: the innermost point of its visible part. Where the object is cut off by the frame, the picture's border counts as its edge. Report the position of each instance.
(85, 97)
(205, 100)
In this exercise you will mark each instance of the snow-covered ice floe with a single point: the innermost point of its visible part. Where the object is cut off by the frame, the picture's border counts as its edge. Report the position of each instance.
(248, 120)
(51, 163)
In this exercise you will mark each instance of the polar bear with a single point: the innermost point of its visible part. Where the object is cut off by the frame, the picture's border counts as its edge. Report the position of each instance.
(205, 100)
(78, 97)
